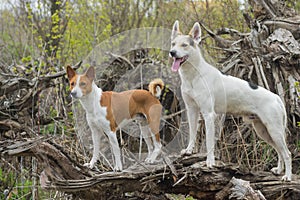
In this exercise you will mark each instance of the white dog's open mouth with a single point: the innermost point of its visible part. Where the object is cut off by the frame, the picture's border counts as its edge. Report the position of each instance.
(177, 62)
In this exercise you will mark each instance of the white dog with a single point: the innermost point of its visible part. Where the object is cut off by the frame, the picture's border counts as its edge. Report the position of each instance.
(207, 91)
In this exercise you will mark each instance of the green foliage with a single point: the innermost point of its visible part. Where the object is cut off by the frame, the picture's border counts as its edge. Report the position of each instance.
(19, 188)
(61, 34)
(297, 86)
(180, 197)
(53, 112)
(48, 129)
(294, 4)
(189, 198)
(7, 179)
(26, 59)
(23, 190)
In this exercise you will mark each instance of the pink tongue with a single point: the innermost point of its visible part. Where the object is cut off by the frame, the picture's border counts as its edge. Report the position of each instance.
(176, 65)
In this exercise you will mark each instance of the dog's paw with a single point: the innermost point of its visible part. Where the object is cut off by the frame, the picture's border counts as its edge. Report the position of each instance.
(276, 170)
(150, 160)
(186, 152)
(89, 165)
(210, 163)
(285, 178)
(117, 168)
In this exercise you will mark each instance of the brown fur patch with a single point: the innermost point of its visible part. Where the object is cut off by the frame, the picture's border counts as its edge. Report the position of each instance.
(85, 84)
(125, 105)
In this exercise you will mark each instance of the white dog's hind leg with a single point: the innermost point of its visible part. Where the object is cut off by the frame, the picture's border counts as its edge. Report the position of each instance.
(281, 147)
(275, 137)
(210, 137)
(262, 132)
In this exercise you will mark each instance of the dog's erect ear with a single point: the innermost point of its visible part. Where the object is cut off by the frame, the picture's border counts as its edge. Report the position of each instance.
(90, 73)
(195, 33)
(70, 72)
(175, 30)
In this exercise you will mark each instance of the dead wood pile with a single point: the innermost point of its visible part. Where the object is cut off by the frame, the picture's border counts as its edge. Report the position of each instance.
(187, 176)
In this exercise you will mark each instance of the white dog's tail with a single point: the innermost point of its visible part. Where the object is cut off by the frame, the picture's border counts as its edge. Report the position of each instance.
(156, 86)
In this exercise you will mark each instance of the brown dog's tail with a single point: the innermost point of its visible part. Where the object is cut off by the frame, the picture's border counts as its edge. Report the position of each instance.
(156, 86)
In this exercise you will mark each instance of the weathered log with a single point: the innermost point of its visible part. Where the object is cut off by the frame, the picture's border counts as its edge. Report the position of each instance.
(188, 176)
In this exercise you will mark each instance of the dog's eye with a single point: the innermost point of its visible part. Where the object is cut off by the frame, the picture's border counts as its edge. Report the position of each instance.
(82, 84)
(173, 44)
(72, 84)
(184, 45)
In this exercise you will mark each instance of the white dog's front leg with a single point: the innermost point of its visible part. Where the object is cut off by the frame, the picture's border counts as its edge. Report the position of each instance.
(193, 115)
(209, 119)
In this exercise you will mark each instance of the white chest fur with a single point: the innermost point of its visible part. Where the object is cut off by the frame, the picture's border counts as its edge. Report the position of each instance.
(95, 113)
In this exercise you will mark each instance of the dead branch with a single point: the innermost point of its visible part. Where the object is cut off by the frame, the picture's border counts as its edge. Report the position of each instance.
(19, 97)
(221, 41)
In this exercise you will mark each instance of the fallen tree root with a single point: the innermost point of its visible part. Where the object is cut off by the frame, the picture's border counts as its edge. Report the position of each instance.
(189, 176)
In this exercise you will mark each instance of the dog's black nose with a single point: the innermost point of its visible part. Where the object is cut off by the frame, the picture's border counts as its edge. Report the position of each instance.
(173, 53)
(73, 94)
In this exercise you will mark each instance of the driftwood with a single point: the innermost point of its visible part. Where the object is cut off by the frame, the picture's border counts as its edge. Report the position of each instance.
(186, 175)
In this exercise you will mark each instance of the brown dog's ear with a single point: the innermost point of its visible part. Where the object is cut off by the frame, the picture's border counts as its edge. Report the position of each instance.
(90, 73)
(70, 72)
(195, 32)
(175, 30)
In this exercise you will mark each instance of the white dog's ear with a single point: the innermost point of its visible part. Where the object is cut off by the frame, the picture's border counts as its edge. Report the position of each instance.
(175, 30)
(195, 33)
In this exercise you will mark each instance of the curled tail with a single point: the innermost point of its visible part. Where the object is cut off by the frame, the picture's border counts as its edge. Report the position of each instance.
(156, 86)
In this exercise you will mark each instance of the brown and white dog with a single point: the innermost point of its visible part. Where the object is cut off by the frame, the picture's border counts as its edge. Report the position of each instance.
(106, 111)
